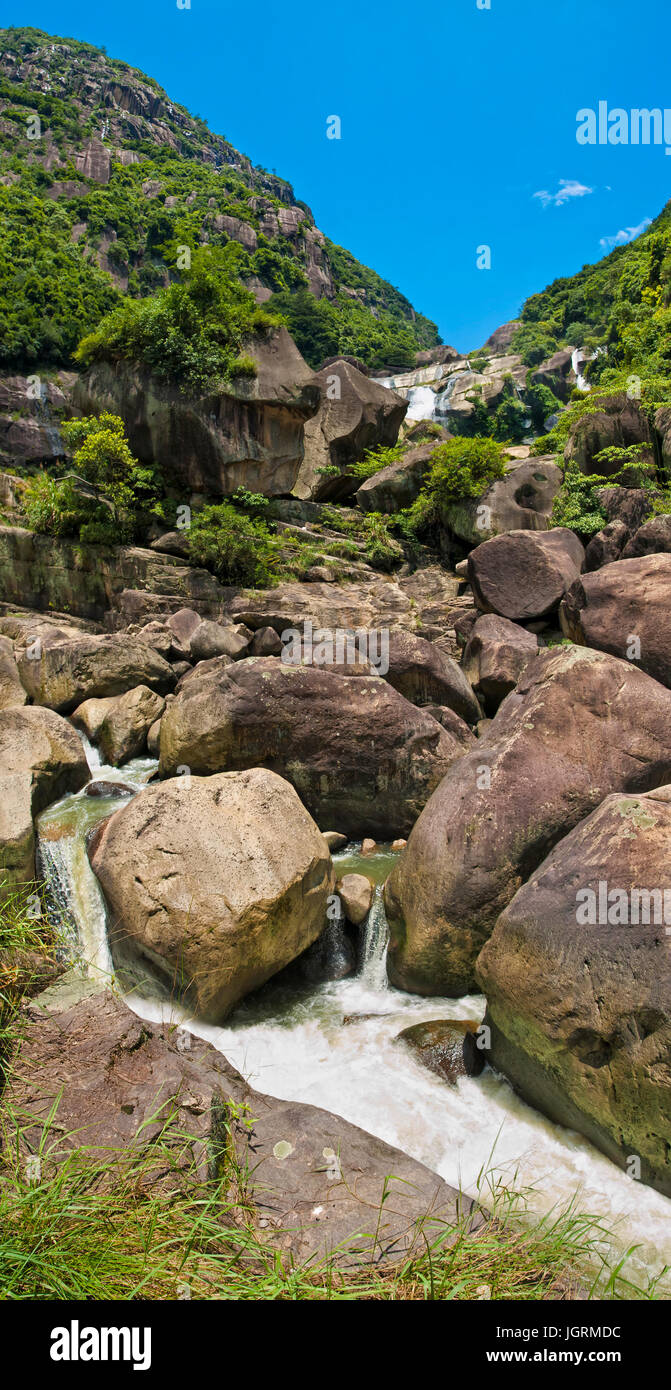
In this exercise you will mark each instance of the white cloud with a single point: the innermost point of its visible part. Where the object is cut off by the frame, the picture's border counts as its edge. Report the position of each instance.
(624, 235)
(568, 188)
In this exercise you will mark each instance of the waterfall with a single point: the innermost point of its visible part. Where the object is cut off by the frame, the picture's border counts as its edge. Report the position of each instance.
(422, 403)
(579, 357)
(375, 942)
(74, 890)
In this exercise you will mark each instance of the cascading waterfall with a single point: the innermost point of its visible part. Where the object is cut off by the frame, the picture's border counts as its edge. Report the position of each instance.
(375, 943)
(335, 1045)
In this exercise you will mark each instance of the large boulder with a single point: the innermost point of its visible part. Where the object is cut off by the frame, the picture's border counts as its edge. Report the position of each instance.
(652, 538)
(12, 693)
(525, 574)
(579, 725)
(248, 433)
(625, 609)
(41, 759)
(425, 675)
(397, 485)
(495, 656)
(312, 1178)
(446, 1046)
(356, 895)
(356, 414)
(359, 755)
(557, 373)
(577, 976)
(520, 501)
(216, 884)
(121, 723)
(619, 422)
(607, 545)
(65, 674)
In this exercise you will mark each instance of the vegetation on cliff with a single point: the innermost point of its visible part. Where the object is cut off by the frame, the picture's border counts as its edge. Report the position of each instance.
(103, 179)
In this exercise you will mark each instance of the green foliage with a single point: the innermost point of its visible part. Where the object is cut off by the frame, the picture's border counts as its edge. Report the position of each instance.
(104, 501)
(576, 504)
(461, 467)
(374, 460)
(191, 332)
(325, 328)
(238, 548)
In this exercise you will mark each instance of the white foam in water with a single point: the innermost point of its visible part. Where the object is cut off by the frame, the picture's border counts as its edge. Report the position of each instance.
(422, 402)
(297, 1046)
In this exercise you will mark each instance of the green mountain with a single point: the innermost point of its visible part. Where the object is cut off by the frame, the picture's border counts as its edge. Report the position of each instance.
(621, 305)
(104, 180)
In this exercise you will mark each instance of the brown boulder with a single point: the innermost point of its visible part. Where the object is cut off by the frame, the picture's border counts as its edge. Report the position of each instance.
(520, 501)
(564, 739)
(578, 984)
(495, 656)
(12, 693)
(248, 433)
(652, 538)
(41, 759)
(355, 414)
(215, 883)
(313, 1180)
(606, 546)
(524, 574)
(356, 894)
(619, 422)
(212, 639)
(65, 674)
(423, 673)
(397, 485)
(446, 1046)
(359, 755)
(625, 609)
(126, 724)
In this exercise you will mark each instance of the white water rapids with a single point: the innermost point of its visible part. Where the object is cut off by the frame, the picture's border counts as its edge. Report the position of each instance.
(332, 1045)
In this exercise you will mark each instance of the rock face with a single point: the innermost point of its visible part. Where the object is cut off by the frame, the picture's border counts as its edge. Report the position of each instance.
(561, 741)
(557, 373)
(524, 574)
(216, 885)
(619, 423)
(250, 433)
(356, 414)
(495, 656)
(359, 755)
(65, 674)
(579, 1005)
(625, 609)
(522, 500)
(397, 485)
(29, 424)
(421, 672)
(313, 1179)
(120, 724)
(607, 545)
(446, 1046)
(41, 759)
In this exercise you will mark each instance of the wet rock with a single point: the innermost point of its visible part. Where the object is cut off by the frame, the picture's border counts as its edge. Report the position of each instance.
(100, 788)
(578, 983)
(368, 846)
(446, 1046)
(41, 759)
(563, 740)
(310, 1173)
(356, 895)
(334, 840)
(358, 754)
(217, 883)
(525, 574)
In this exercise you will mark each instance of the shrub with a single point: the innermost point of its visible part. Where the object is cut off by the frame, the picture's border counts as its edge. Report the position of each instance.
(461, 467)
(104, 500)
(576, 504)
(239, 549)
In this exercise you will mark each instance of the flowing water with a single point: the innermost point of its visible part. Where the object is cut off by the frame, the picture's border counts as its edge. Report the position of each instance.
(334, 1045)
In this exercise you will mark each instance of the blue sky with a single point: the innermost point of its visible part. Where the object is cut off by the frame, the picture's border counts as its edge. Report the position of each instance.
(453, 119)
